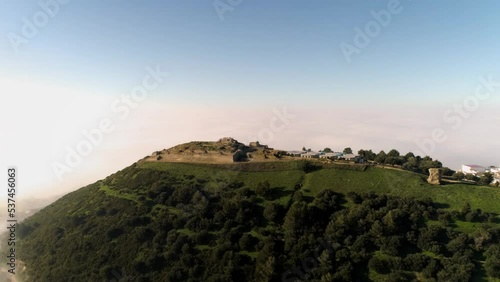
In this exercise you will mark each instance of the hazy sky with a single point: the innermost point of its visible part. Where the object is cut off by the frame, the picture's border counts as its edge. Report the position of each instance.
(411, 67)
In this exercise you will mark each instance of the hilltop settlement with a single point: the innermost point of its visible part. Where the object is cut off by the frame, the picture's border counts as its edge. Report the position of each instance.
(229, 150)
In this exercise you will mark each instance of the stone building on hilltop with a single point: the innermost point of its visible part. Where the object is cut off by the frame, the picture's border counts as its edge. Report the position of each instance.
(227, 140)
(256, 144)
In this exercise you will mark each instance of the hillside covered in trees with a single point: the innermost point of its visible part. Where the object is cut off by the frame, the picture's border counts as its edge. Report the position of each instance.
(285, 221)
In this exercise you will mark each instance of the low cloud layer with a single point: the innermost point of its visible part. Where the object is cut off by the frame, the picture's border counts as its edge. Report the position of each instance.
(43, 130)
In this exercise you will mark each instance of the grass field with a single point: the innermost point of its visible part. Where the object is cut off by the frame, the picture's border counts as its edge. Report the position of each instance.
(284, 176)
(113, 193)
(404, 183)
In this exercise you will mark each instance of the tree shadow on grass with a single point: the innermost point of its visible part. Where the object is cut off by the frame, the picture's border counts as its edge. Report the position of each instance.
(341, 198)
(277, 193)
(496, 218)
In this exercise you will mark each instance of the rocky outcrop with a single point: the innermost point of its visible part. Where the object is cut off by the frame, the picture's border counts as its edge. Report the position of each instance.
(224, 150)
(239, 156)
(228, 140)
(435, 175)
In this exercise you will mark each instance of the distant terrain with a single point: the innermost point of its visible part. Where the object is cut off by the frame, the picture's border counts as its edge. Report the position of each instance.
(176, 216)
(26, 207)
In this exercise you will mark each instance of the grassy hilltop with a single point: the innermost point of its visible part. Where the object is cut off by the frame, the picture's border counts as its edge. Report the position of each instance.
(255, 221)
(344, 179)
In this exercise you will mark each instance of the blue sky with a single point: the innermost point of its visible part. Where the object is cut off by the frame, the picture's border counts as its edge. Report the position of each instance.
(432, 50)
(227, 76)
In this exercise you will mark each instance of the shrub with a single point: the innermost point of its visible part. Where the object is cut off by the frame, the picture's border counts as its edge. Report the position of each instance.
(416, 262)
(247, 242)
(380, 265)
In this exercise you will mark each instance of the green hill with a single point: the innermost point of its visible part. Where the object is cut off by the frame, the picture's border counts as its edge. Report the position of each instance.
(163, 221)
(344, 179)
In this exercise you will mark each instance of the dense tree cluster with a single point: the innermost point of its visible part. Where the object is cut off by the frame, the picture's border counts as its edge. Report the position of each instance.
(484, 179)
(158, 226)
(408, 162)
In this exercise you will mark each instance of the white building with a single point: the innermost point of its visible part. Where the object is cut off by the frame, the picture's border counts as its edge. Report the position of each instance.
(496, 173)
(348, 157)
(473, 169)
(330, 155)
(310, 155)
(493, 169)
